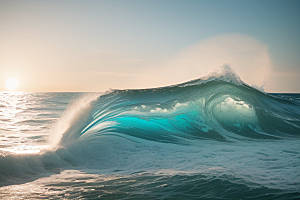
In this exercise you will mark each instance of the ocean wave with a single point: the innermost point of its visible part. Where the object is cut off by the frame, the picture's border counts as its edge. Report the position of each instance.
(216, 122)
(219, 107)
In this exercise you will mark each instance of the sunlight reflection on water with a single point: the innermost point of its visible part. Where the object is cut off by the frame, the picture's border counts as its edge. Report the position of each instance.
(25, 120)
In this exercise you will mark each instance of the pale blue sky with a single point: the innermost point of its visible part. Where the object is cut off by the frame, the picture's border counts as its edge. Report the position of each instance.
(96, 45)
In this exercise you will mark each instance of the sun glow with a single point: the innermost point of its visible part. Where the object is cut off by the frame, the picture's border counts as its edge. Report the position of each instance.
(11, 83)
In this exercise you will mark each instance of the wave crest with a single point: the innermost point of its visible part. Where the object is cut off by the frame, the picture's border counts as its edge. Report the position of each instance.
(219, 106)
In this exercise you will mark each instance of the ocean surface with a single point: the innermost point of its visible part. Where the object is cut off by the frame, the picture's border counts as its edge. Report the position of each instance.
(211, 138)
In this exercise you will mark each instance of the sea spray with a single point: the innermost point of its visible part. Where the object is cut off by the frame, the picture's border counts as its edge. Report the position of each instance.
(73, 120)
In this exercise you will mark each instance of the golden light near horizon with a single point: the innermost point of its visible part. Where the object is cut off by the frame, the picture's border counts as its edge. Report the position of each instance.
(11, 83)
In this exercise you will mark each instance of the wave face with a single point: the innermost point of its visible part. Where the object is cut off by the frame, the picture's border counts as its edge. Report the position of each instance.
(220, 108)
(214, 137)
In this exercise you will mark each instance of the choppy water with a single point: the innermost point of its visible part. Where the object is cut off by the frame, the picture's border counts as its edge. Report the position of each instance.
(212, 138)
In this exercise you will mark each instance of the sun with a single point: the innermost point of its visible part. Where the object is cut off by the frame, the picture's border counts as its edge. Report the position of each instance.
(11, 83)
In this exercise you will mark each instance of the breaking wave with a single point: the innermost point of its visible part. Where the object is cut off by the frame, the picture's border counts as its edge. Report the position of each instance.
(217, 107)
(216, 124)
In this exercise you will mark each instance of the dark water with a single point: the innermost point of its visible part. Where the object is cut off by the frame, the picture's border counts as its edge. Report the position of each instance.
(206, 139)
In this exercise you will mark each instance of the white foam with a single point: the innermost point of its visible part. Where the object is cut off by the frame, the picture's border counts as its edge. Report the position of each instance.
(235, 112)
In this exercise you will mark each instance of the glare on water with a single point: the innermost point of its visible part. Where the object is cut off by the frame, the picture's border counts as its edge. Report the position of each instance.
(19, 114)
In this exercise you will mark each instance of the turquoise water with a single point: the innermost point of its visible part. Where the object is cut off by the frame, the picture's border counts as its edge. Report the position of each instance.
(212, 138)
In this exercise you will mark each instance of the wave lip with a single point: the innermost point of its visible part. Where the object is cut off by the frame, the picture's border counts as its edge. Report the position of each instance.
(225, 74)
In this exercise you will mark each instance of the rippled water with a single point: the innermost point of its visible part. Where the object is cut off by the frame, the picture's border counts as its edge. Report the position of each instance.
(26, 119)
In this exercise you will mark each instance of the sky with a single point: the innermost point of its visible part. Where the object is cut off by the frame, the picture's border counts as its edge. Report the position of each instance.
(85, 46)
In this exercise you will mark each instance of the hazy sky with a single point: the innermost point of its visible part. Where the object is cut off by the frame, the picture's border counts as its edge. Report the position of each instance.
(96, 45)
